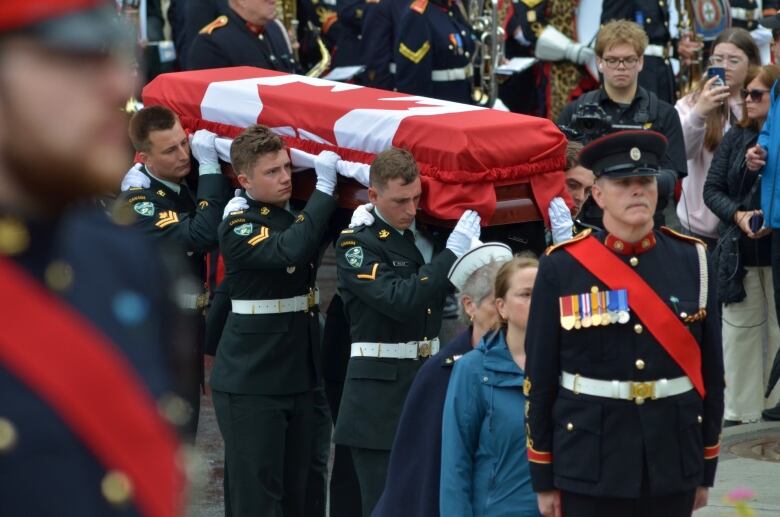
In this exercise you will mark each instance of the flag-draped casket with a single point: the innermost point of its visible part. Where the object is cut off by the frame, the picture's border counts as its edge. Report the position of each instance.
(469, 157)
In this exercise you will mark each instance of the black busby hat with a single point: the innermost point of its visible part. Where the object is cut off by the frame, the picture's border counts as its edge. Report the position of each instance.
(624, 154)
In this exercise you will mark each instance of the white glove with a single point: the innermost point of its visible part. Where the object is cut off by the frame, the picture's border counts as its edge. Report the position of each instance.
(325, 167)
(467, 229)
(579, 53)
(362, 216)
(204, 150)
(561, 222)
(135, 178)
(237, 203)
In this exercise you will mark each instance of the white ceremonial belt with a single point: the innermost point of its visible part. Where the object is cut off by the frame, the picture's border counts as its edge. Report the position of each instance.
(626, 390)
(452, 74)
(740, 13)
(658, 51)
(408, 350)
(295, 304)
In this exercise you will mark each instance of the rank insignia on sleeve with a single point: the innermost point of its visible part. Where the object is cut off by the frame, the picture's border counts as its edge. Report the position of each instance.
(167, 218)
(243, 230)
(354, 256)
(145, 208)
(415, 56)
(161, 193)
(203, 204)
(260, 237)
(265, 211)
(383, 234)
(300, 218)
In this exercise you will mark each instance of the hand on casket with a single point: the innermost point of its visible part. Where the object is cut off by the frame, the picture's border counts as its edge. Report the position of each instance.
(561, 222)
(467, 229)
(235, 204)
(362, 216)
(134, 178)
(204, 149)
(325, 167)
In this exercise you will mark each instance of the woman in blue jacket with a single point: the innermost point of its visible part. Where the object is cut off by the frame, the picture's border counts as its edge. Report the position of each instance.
(484, 468)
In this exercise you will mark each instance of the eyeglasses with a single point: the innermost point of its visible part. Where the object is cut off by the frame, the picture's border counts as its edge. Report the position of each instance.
(725, 61)
(755, 94)
(627, 62)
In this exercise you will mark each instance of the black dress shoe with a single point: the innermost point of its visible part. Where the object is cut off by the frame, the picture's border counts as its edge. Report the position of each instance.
(731, 423)
(771, 413)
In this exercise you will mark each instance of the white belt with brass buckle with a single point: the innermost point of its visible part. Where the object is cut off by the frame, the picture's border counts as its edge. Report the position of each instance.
(409, 350)
(295, 304)
(626, 390)
(658, 51)
(740, 13)
(192, 301)
(452, 74)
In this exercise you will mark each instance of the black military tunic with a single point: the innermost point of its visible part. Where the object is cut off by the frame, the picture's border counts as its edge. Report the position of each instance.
(350, 15)
(613, 448)
(653, 16)
(390, 296)
(746, 13)
(112, 282)
(231, 41)
(433, 51)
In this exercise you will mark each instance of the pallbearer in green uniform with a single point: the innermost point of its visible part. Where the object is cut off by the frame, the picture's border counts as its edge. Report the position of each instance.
(173, 215)
(393, 287)
(267, 361)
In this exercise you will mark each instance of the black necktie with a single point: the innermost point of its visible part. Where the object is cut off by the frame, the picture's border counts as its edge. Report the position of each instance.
(186, 198)
(409, 236)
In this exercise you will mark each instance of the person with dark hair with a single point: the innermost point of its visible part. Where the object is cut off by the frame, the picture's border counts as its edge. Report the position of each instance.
(414, 471)
(706, 114)
(484, 466)
(393, 284)
(168, 211)
(624, 369)
(745, 286)
(268, 360)
(91, 339)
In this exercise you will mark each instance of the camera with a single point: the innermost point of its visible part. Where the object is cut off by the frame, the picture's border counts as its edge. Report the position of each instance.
(588, 122)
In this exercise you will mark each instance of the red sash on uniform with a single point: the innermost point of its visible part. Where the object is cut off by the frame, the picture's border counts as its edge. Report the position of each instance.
(658, 318)
(79, 373)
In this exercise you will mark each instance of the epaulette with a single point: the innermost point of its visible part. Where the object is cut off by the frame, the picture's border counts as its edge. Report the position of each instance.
(419, 6)
(681, 236)
(584, 233)
(221, 21)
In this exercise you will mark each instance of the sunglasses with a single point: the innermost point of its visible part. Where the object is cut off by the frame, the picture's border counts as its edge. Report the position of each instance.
(755, 95)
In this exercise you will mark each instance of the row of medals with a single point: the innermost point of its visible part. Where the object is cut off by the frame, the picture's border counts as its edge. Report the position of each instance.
(577, 310)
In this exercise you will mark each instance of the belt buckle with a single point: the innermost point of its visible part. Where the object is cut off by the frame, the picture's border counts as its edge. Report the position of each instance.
(202, 301)
(311, 299)
(424, 349)
(641, 391)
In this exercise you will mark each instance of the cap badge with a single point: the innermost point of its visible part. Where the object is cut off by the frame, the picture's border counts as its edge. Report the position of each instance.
(635, 154)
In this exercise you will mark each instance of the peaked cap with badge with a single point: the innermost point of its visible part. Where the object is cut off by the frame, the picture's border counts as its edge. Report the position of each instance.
(624, 343)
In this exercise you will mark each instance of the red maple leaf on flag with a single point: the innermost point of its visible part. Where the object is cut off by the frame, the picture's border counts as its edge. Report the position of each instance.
(317, 108)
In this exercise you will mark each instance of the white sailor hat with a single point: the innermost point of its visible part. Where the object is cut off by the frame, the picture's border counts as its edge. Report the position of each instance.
(480, 255)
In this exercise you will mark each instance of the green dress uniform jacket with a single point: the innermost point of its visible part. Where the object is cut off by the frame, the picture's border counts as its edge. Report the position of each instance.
(390, 296)
(271, 254)
(166, 215)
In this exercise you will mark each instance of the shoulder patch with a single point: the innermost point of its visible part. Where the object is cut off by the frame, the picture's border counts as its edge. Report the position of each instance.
(354, 256)
(347, 243)
(221, 21)
(234, 222)
(136, 198)
(243, 230)
(584, 233)
(681, 236)
(419, 6)
(145, 208)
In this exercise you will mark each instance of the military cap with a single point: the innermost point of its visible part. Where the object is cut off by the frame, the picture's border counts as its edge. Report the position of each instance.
(770, 22)
(625, 154)
(70, 25)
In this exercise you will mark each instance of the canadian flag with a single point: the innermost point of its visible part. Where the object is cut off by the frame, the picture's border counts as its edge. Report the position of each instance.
(463, 151)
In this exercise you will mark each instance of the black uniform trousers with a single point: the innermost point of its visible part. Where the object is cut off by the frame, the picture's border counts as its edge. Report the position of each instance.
(675, 505)
(258, 463)
(371, 468)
